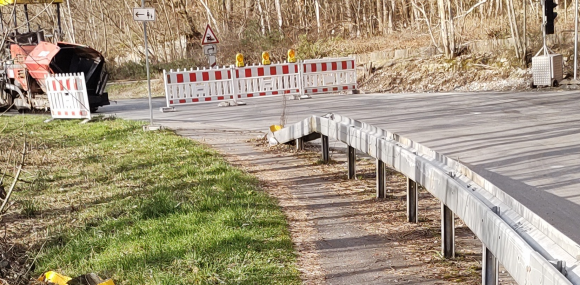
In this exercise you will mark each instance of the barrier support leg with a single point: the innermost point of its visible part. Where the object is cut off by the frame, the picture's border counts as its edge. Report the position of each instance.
(412, 201)
(325, 149)
(447, 232)
(299, 144)
(380, 179)
(351, 162)
(490, 268)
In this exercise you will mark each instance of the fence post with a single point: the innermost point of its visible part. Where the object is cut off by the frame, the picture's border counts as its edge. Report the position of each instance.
(300, 78)
(234, 84)
(325, 149)
(490, 268)
(299, 143)
(351, 162)
(447, 232)
(412, 201)
(380, 179)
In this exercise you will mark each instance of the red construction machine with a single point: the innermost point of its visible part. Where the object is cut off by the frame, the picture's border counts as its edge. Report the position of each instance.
(28, 57)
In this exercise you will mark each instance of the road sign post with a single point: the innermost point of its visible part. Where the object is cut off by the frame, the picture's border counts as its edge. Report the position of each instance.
(146, 15)
(209, 42)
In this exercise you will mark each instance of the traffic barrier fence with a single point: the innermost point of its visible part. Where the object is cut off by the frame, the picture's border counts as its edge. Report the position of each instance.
(67, 96)
(184, 87)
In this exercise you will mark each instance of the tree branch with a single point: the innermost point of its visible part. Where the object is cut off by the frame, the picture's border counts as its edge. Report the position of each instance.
(428, 25)
(15, 179)
(471, 9)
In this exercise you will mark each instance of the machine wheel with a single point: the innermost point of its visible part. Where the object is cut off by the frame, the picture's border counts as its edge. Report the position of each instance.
(93, 109)
(555, 83)
(7, 98)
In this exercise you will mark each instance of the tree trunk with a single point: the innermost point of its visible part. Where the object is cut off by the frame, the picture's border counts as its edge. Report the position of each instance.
(279, 13)
(261, 12)
(317, 9)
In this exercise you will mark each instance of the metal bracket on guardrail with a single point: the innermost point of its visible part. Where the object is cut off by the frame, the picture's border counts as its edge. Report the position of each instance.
(560, 265)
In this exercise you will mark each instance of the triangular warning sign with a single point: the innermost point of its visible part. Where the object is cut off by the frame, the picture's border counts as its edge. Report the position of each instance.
(209, 37)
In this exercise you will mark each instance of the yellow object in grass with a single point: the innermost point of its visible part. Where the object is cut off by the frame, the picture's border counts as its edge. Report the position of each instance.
(55, 278)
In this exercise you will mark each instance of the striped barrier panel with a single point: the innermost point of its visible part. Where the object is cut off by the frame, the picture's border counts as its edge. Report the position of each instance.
(267, 80)
(183, 87)
(197, 86)
(67, 96)
(329, 75)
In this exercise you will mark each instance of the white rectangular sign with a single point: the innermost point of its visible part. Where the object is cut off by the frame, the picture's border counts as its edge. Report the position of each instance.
(144, 14)
(209, 49)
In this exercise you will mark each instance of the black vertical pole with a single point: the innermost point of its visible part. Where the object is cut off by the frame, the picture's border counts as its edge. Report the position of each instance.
(325, 149)
(58, 21)
(15, 22)
(380, 179)
(412, 201)
(351, 162)
(26, 15)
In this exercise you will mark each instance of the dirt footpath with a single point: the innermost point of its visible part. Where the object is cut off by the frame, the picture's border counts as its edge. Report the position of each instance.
(342, 233)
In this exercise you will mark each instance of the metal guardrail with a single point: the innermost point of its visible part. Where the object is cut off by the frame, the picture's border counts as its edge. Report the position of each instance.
(530, 249)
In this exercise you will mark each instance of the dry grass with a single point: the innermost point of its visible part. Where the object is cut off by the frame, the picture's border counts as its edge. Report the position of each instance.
(418, 244)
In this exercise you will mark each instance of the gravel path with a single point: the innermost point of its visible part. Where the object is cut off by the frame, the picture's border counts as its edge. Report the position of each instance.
(331, 237)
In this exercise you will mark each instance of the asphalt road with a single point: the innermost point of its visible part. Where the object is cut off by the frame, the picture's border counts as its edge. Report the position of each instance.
(526, 143)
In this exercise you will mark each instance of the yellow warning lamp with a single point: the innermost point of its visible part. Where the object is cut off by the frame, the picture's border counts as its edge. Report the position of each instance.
(291, 56)
(239, 60)
(266, 58)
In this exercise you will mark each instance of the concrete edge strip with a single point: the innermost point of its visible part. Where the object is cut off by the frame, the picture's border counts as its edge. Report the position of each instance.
(523, 248)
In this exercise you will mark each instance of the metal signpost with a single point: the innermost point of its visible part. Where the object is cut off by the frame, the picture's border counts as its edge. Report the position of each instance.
(209, 46)
(575, 41)
(146, 15)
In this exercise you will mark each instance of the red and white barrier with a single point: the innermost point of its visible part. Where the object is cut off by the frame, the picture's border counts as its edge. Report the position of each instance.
(327, 75)
(67, 96)
(267, 80)
(196, 86)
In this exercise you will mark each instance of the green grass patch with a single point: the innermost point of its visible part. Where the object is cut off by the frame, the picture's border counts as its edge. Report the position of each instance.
(144, 207)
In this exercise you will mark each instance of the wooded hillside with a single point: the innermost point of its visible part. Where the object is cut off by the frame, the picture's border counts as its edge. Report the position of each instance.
(250, 26)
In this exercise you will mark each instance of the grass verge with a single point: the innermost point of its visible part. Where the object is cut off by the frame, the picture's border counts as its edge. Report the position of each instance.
(141, 207)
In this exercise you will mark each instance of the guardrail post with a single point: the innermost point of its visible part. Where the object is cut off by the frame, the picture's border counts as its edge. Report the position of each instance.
(351, 162)
(380, 179)
(325, 149)
(447, 232)
(490, 270)
(300, 144)
(412, 201)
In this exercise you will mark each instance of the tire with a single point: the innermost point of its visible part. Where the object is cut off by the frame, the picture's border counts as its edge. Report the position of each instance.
(8, 98)
(93, 109)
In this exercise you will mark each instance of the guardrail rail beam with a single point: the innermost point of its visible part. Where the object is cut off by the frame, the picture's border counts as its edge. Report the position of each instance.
(528, 247)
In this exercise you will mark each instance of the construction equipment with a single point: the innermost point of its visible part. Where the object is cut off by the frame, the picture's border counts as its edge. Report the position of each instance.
(27, 58)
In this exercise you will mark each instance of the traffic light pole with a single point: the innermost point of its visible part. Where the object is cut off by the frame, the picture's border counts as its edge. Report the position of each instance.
(544, 21)
(575, 40)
